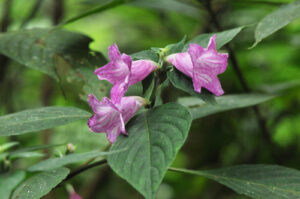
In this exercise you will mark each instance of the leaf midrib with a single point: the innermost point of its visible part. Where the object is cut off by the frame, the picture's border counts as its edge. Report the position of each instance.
(149, 149)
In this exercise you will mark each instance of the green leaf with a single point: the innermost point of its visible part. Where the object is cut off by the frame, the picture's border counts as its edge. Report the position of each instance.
(276, 20)
(7, 146)
(222, 38)
(175, 48)
(58, 53)
(145, 54)
(256, 181)
(9, 181)
(39, 119)
(40, 184)
(184, 83)
(148, 86)
(26, 155)
(69, 159)
(154, 138)
(199, 108)
(34, 148)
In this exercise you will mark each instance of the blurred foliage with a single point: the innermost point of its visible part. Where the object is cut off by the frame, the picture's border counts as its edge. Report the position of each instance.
(219, 140)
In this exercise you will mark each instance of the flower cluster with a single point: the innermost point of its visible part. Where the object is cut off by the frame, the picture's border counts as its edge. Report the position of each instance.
(110, 115)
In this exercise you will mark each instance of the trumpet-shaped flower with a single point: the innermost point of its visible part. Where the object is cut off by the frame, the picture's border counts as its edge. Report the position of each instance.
(202, 65)
(122, 72)
(111, 117)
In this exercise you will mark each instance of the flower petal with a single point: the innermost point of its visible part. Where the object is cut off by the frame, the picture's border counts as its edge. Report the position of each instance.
(182, 61)
(130, 105)
(140, 70)
(117, 69)
(207, 64)
(113, 52)
(118, 91)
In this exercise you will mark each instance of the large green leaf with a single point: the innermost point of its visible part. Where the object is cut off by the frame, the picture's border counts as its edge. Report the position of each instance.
(69, 159)
(276, 20)
(58, 53)
(184, 83)
(256, 181)
(154, 138)
(39, 119)
(200, 108)
(222, 38)
(40, 184)
(9, 181)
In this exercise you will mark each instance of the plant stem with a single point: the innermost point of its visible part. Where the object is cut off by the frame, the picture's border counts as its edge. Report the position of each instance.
(84, 168)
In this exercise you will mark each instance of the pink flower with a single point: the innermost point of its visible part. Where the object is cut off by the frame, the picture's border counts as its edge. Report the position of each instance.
(202, 65)
(111, 117)
(122, 72)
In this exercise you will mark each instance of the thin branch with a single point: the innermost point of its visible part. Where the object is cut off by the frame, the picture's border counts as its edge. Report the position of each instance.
(260, 119)
(84, 168)
(32, 13)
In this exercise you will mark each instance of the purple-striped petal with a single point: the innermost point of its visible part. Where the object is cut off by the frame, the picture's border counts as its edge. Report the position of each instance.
(207, 64)
(130, 105)
(117, 70)
(182, 61)
(140, 70)
(110, 117)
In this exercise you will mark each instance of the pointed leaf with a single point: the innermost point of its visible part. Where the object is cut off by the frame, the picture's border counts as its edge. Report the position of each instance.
(40, 184)
(39, 119)
(154, 138)
(222, 38)
(145, 54)
(69, 159)
(256, 181)
(199, 108)
(276, 20)
(7, 146)
(9, 181)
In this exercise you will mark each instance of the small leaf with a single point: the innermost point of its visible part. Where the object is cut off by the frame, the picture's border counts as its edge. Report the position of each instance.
(154, 138)
(148, 86)
(256, 181)
(145, 54)
(9, 181)
(184, 83)
(40, 184)
(69, 159)
(39, 119)
(222, 38)
(175, 48)
(199, 108)
(7, 146)
(276, 20)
